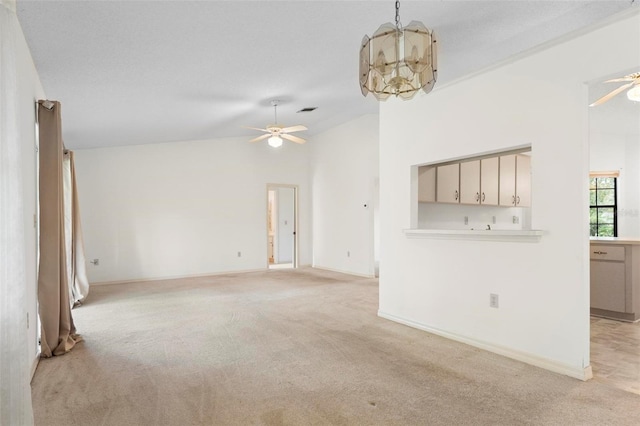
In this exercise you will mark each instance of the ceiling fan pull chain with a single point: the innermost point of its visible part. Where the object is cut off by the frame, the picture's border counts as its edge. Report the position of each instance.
(398, 25)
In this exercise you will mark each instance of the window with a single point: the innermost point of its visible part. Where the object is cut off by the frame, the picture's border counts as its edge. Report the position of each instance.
(603, 206)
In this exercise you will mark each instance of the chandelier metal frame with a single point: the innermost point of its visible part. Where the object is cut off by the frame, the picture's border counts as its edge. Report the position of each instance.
(398, 60)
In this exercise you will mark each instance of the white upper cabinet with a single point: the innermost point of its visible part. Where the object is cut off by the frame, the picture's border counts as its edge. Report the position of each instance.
(479, 182)
(470, 182)
(489, 178)
(523, 181)
(448, 183)
(426, 184)
(502, 180)
(515, 180)
(507, 180)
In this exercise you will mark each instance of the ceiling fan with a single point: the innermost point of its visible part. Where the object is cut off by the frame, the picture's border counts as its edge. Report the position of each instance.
(633, 85)
(276, 132)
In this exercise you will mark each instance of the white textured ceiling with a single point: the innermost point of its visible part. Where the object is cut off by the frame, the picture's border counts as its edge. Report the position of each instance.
(136, 72)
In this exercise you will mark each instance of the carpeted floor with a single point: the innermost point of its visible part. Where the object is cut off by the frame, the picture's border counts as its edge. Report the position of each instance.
(291, 347)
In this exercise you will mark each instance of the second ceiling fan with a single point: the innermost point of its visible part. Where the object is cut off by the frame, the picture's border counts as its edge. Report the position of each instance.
(632, 83)
(275, 132)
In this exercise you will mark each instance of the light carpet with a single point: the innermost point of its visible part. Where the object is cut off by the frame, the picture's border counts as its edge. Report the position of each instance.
(291, 347)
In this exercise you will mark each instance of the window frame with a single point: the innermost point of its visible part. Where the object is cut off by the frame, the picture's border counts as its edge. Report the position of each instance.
(597, 207)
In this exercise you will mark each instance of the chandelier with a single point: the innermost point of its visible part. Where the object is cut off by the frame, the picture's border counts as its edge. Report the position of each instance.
(398, 61)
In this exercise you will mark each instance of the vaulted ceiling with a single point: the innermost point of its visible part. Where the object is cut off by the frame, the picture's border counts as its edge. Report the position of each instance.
(137, 72)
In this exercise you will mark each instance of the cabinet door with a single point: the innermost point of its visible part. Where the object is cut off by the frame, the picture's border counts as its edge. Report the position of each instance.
(523, 181)
(489, 181)
(507, 195)
(448, 189)
(608, 285)
(426, 184)
(470, 182)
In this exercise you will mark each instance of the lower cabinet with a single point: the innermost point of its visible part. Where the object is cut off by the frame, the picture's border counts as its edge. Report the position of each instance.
(608, 284)
(615, 282)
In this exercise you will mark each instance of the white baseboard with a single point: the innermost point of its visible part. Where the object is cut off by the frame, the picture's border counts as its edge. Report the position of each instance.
(548, 364)
(177, 277)
(344, 272)
(34, 364)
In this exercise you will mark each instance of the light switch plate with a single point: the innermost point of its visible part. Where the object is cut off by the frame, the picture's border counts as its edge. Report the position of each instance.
(493, 300)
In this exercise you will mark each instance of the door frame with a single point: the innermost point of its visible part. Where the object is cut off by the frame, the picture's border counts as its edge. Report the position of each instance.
(275, 186)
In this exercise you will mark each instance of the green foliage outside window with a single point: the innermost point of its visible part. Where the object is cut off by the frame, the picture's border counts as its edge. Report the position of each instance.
(603, 207)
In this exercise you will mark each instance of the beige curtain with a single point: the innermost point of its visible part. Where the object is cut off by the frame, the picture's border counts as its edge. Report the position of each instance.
(76, 262)
(58, 334)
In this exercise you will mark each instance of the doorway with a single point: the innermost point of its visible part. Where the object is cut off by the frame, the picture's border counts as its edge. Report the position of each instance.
(614, 206)
(282, 238)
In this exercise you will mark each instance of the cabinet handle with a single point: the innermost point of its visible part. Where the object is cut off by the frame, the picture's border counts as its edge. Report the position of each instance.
(456, 195)
(513, 200)
(599, 252)
(477, 196)
(483, 197)
(518, 199)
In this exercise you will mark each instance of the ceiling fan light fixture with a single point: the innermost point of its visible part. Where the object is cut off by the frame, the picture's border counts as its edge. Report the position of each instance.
(275, 141)
(275, 133)
(398, 61)
(633, 94)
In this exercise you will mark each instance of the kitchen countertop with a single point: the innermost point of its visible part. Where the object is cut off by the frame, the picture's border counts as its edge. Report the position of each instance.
(614, 240)
(476, 234)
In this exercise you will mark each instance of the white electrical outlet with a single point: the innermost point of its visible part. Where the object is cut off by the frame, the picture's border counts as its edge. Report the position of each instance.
(493, 300)
(516, 220)
(466, 220)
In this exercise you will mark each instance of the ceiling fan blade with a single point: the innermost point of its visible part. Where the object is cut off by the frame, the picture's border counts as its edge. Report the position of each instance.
(292, 129)
(261, 137)
(255, 128)
(292, 138)
(618, 80)
(610, 95)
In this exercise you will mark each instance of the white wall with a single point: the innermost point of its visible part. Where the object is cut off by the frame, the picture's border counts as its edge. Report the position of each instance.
(344, 180)
(452, 216)
(29, 91)
(185, 208)
(444, 285)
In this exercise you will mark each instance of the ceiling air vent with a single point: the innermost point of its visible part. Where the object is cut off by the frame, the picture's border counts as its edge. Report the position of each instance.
(307, 109)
